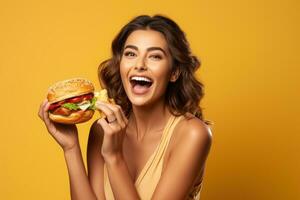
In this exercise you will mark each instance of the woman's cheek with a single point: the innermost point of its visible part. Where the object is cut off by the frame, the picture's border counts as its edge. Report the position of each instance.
(162, 83)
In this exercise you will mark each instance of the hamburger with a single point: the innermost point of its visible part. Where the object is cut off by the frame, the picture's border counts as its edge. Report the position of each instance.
(73, 101)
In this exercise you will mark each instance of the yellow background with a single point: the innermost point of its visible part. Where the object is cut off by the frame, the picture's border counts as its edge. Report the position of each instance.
(250, 68)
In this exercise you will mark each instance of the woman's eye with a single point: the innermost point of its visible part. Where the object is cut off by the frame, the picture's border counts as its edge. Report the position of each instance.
(129, 54)
(156, 57)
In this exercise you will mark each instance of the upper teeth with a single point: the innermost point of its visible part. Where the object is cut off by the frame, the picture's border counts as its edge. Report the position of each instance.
(138, 78)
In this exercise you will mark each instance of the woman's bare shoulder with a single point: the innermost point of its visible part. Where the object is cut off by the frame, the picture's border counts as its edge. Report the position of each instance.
(188, 152)
(192, 128)
(191, 123)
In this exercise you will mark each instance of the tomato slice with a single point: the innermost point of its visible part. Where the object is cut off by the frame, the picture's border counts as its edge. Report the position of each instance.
(56, 105)
(53, 106)
(80, 98)
(88, 97)
(75, 100)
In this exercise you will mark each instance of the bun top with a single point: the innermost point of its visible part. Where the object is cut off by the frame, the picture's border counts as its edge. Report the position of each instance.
(69, 88)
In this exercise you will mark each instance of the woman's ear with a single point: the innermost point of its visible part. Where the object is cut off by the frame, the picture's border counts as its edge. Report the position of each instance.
(174, 76)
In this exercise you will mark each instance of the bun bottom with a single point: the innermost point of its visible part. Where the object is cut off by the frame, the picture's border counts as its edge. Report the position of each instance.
(74, 118)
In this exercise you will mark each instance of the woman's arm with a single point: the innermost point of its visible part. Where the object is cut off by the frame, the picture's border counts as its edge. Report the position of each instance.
(114, 130)
(67, 137)
(80, 187)
(119, 177)
(120, 180)
(95, 161)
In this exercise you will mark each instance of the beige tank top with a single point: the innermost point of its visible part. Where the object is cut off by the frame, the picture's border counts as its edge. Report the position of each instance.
(150, 174)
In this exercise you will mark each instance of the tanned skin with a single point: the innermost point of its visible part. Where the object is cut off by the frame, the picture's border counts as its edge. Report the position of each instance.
(145, 53)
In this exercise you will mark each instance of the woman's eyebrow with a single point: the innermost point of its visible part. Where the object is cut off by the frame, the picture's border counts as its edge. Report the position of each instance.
(156, 48)
(131, 47)
(148, 49)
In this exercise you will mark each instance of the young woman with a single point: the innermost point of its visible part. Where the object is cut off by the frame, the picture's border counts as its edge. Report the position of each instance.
(154, 141)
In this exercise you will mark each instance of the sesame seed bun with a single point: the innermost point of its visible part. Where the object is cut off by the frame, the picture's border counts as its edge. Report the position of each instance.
(69, 88)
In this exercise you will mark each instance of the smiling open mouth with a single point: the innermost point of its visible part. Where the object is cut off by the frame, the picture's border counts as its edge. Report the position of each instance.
(140, 85)
(141, 81)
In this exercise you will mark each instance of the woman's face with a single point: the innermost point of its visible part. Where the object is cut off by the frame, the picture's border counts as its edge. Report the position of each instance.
(145, 67)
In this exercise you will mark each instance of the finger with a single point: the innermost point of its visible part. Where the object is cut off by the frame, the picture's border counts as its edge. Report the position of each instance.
(40, 113)
(46, 114)
(105, 126)
(106, 110)
(118, 113)
(113, 117)
(113, 102)
(124, 118)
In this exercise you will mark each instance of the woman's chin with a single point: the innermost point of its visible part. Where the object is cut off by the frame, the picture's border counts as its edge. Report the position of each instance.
(139, 102)
(140, 99)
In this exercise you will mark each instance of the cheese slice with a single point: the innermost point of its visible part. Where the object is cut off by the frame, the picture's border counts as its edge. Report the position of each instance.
(84, 106)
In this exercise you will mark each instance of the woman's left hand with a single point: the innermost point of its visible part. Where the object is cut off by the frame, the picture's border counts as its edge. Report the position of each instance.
(114, 129)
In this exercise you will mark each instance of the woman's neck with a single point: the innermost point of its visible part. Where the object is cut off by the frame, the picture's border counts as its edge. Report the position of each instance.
(150, 119)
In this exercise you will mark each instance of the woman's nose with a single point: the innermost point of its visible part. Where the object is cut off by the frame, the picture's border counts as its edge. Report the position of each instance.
(140, 64)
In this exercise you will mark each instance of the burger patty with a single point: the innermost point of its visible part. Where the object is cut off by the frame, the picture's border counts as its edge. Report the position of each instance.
(62, 111)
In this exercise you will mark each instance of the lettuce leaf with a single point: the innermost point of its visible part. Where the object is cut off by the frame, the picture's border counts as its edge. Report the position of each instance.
(71, 106)
(93, 106)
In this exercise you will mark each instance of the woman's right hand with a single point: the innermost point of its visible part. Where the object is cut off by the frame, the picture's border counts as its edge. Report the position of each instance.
(66, 135)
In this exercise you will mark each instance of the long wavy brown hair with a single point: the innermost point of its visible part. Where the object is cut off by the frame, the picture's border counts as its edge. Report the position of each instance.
(183, 95)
